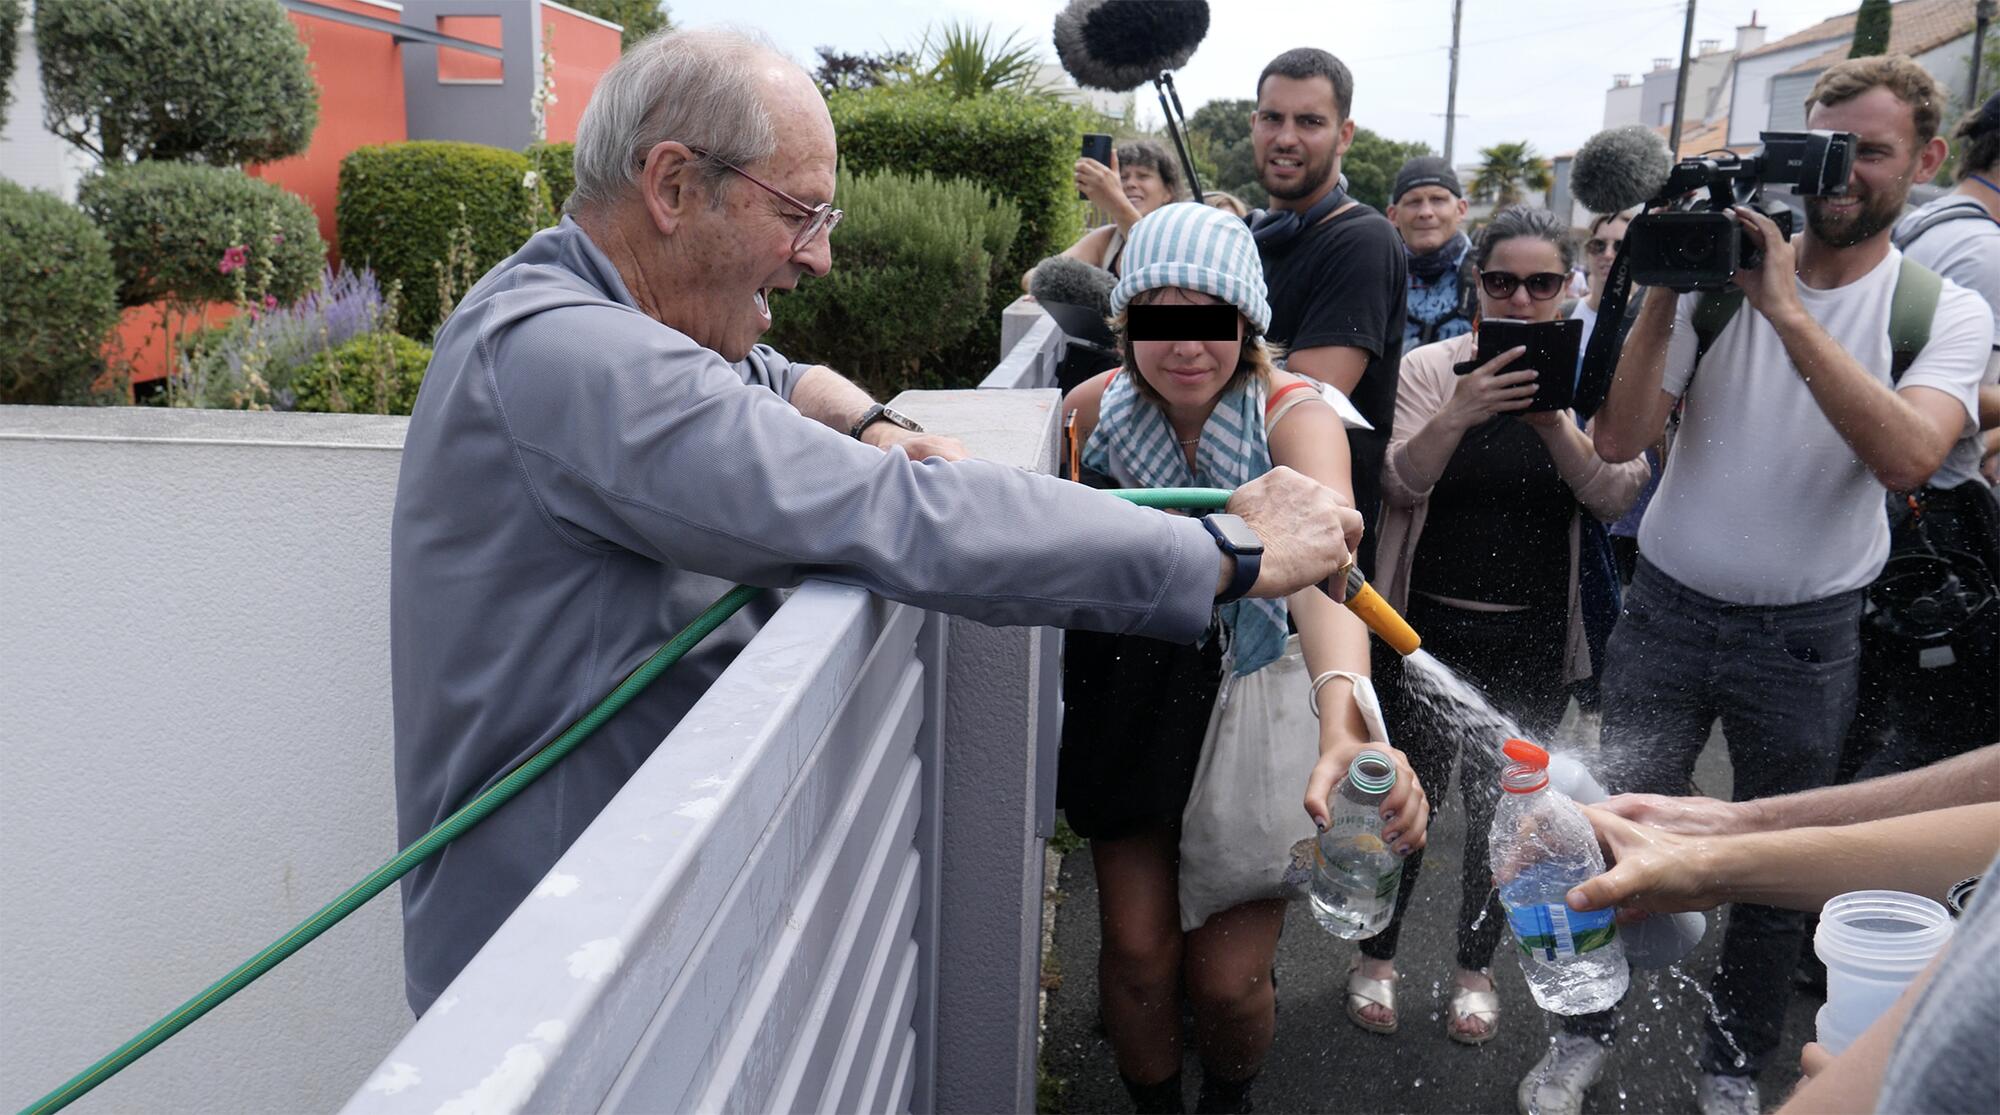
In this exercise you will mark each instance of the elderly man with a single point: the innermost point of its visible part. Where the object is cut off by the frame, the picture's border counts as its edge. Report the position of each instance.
(601, 447)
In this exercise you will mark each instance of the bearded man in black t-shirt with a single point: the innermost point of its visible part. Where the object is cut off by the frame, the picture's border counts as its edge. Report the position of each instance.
(1335, 267)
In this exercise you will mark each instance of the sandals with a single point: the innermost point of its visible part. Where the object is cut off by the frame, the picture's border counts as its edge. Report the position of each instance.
(1467, 1004)
(1365, 992)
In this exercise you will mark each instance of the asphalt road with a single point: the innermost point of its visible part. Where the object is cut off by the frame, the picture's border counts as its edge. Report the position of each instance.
(1322, 1062)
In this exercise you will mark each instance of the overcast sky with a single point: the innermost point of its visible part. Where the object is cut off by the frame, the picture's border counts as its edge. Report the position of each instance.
(1530, 69)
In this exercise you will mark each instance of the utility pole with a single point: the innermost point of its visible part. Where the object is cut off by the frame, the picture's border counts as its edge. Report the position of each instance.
(1451, 90)
(1982, 14)
(1681, 83)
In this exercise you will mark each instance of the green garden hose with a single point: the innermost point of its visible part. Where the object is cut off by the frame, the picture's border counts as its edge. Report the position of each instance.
(470, 814)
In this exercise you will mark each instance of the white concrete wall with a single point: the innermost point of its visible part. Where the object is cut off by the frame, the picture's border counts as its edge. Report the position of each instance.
(1750, 95)
(30, 154)
(195, 739)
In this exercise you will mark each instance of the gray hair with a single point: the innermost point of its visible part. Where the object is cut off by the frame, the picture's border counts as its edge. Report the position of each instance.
(693, 87)
(1525, 220)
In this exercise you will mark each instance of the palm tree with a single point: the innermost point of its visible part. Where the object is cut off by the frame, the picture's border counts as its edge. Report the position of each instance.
(1509, 170)
(967, 63)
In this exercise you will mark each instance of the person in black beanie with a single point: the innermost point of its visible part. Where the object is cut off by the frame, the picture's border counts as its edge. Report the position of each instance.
(1426, 205)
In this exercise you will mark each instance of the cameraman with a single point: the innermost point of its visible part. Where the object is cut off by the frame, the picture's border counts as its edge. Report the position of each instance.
(1768, 525)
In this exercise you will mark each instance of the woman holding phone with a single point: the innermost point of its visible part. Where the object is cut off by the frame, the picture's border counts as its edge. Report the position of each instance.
(1483, 501)
(1141, 178)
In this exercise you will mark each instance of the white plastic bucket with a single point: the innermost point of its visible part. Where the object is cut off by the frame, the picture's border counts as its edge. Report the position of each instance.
(1873, 943)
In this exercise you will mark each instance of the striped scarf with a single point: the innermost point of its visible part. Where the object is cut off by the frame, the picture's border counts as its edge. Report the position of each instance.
(1134, 444)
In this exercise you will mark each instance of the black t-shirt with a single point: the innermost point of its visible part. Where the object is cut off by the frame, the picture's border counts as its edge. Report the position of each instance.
(1342, 282)
(1498, 526)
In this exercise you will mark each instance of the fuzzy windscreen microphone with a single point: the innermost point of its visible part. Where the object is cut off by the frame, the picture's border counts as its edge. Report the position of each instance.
(1123, 44)
(1077, 295)
(1619, 168)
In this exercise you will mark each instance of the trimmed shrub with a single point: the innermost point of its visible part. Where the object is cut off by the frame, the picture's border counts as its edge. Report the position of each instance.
(223, 82)
(58, 302)
(916, 262)
(374, 373)
(10, 44)
(556, 164)
(433, 216)
(1023, 149)
(172, 228)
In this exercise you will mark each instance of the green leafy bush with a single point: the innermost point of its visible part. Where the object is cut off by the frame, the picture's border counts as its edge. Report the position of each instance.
(916, 261)
(58, 302)
(556, 164)
(433, 216)
(374, 373)
(10, 43)
(172, 227)
(223, 82)
(1023, 149)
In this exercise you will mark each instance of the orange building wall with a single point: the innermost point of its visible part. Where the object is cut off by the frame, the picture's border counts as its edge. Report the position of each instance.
(360, 78)
(583, 49)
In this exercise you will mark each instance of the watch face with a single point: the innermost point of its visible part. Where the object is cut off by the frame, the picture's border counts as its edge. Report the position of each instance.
(1236, 534)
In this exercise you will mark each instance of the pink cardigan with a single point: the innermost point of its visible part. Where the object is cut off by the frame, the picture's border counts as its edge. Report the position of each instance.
(1427, 382)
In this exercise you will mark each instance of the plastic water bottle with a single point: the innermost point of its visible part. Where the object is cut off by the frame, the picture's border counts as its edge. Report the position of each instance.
(1659, 940)
(1540, 847)
(1355, 874)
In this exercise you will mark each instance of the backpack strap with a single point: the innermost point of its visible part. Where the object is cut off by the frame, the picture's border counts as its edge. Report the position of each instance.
(1910, 311)
(1958, 211)
(1712, 312)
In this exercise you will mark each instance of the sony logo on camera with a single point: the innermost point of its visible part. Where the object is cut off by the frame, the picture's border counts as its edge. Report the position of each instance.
(1696, 244)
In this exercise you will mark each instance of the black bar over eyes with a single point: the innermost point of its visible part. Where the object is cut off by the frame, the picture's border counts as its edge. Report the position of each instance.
(1181, 323)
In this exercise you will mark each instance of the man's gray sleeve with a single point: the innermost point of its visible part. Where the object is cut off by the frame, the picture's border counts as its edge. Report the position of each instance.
(767, 366)
(645, 442)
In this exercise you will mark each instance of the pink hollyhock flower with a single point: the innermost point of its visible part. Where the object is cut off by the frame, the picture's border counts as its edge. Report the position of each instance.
(234, 259)
(270, 301)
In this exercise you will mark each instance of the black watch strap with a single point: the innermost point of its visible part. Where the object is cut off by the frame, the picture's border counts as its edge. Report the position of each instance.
(881, 413)
(1249, 556)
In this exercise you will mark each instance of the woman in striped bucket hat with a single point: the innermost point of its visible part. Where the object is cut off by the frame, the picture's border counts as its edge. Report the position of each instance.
(1198, 403)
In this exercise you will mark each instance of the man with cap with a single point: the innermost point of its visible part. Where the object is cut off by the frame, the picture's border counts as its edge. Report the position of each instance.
(1426, 205)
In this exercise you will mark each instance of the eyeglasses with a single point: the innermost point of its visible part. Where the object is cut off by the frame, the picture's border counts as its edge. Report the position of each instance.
(1542, 285)
(1597, 246)
(818, 218)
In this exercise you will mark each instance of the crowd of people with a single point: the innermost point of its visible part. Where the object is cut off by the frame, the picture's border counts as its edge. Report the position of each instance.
(1320, 358)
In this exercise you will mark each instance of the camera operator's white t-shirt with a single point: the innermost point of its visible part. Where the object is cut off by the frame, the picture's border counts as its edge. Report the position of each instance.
(1763, 502)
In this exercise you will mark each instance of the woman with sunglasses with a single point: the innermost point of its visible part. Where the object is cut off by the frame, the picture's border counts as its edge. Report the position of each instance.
(1482, 507)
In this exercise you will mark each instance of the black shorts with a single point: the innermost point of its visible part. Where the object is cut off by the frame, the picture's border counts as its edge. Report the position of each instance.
(1135, 712)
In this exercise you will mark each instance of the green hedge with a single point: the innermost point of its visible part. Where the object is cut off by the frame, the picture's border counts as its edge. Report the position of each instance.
(10, 44)
(217, 81)
(556, 163)
(374, 373)
(1022, 149)
(58, 302)
(916, 260)
(401, 207)
(170, 225)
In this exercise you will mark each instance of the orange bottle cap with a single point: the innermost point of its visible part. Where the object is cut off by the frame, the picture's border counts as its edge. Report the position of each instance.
(1521, 751)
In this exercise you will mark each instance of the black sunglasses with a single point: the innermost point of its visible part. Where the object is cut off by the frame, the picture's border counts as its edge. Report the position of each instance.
(1542, 285)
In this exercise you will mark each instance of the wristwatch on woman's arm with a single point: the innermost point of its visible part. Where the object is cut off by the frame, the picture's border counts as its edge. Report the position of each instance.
(1234, 537)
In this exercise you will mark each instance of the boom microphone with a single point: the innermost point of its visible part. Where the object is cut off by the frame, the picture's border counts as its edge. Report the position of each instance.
(1077, 295)
(1619, 168)
(1122, 44)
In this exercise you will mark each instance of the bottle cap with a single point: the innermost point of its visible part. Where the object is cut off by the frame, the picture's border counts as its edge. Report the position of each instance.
(1521, 751)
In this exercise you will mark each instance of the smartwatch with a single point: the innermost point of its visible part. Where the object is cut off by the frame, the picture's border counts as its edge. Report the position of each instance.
(1235, 538)
(880, 413)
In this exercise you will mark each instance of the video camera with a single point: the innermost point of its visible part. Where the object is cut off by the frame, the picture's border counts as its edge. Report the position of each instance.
(1694, 248)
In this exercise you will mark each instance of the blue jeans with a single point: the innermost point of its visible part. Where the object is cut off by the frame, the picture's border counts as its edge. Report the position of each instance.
(1783, 680)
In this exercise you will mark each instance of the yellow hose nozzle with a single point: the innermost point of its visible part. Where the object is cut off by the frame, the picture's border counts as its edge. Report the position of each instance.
(1365, 602)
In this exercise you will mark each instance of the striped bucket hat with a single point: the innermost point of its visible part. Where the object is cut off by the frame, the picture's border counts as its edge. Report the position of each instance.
(1195, 247)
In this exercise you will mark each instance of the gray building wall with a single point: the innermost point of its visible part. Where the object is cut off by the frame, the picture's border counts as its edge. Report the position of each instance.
(1751, 97)
(501, 113)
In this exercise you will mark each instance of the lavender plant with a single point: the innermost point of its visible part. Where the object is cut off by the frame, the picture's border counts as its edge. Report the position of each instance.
(254, 358)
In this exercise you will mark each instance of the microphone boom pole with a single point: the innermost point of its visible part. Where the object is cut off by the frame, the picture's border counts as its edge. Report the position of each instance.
(1165, 85)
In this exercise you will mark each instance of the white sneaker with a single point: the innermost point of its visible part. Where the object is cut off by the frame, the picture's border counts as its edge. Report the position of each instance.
(1556, 1084)
(1727, 1095)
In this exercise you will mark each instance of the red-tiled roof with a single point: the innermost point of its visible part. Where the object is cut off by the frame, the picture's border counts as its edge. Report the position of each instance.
(1915, 27)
